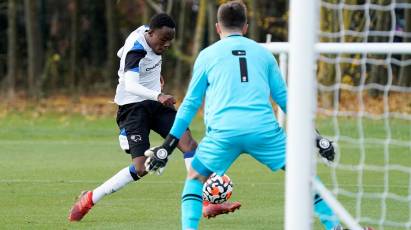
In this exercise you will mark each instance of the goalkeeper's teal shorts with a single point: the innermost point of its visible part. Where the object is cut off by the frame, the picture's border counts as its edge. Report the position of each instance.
(217, 150)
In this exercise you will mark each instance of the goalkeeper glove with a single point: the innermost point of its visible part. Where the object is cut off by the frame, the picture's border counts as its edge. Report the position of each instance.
(325, 147)
(157, 157)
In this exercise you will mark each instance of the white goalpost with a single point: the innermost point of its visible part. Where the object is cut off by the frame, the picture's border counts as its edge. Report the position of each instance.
(304, 52)
(298, 208)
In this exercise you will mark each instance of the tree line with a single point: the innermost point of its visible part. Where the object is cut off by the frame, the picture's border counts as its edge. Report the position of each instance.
(69, 46)
(375, 24)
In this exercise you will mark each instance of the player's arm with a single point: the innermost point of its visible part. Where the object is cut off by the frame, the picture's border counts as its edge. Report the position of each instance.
(133, 86)
(278, 88)
(158, 156)
(132, 76)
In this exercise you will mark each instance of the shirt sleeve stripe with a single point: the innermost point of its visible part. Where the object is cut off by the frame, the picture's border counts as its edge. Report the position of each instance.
(137, 46)
(136, 69)
(133, 58)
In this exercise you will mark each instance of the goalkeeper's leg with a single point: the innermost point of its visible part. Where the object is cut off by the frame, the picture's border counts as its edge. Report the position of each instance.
(269, 148)
(212, 156)
(325, 213)
(192, 200)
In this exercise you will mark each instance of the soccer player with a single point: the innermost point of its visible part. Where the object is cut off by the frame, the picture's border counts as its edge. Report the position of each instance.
(236, 77)
(142, 107)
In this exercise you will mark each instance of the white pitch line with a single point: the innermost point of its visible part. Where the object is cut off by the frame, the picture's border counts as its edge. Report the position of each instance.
(69, 142)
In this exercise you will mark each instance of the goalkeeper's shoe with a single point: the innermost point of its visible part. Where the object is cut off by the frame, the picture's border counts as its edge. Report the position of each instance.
(212, 210)
(83, 204)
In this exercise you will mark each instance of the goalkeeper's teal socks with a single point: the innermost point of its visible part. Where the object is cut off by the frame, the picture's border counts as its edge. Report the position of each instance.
(324, 213)
(192, 204)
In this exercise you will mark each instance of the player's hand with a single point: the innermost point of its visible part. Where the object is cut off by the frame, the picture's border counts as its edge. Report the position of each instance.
(166, 100)
(325, 147)
(156, 161)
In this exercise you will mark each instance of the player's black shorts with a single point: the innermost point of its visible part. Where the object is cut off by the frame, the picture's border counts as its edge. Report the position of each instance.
(135, 121)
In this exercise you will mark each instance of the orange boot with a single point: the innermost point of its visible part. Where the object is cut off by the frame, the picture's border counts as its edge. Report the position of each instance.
(213, 210)
(83, 204)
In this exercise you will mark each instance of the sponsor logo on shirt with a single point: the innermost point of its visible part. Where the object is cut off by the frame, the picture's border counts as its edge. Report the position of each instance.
(155, 66)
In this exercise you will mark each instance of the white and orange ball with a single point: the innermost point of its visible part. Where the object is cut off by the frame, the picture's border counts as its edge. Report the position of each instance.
(217, 189)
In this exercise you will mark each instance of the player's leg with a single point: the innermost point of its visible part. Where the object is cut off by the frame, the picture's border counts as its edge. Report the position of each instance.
(131, 173)
(163, 121)
(188, 146)
(134, 133)
(211, 156)
(269, 149)
(134, 126)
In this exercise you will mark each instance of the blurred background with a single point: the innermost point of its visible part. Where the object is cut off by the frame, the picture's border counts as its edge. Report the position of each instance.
(67, 49)
(50, 49)
(69, 46)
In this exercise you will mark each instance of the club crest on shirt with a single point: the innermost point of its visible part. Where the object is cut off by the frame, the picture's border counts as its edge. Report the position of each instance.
(136, 138)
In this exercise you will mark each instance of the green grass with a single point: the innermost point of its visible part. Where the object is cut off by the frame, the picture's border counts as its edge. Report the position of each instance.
(45, 162)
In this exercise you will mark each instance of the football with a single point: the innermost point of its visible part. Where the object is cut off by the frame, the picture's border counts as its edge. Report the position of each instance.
(217, 189)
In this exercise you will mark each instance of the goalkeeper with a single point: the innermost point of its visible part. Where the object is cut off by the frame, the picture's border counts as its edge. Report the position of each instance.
(236, 77)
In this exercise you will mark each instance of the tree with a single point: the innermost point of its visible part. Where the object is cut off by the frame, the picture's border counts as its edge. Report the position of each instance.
(252, 10)
(405, 72)
(378, 74)
(199, 30)
(197, 43)
(159, 8)
(111, 23)
(326, 71)
(11, 49)
(212, 19)
(73, 5)
(178, 45)
(34, 48)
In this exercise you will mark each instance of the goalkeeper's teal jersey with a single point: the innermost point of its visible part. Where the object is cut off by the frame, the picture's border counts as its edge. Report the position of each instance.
(236, 77)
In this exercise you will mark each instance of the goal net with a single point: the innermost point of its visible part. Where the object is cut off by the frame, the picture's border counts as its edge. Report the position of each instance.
(363, 82)
(364, 105)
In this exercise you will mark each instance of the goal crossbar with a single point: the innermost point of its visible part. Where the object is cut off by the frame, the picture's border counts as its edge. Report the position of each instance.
(352, 47)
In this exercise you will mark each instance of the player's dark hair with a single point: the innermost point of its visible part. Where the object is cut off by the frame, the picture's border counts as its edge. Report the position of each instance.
(160, 20)
(232, 15)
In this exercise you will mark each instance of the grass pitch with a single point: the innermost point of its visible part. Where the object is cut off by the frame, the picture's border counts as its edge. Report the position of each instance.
(45, 162)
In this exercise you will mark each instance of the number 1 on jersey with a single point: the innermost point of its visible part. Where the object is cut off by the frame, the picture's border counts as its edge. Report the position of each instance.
(243, 64)
(243, 69)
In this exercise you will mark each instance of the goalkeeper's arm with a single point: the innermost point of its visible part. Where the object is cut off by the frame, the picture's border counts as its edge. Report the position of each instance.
(157, 157)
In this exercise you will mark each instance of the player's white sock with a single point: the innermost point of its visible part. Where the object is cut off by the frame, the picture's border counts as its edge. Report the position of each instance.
(113, 184)
(188, 158)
